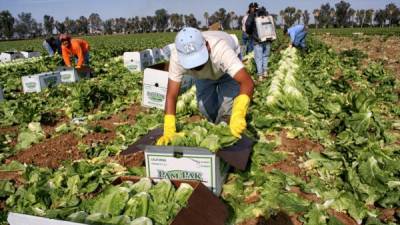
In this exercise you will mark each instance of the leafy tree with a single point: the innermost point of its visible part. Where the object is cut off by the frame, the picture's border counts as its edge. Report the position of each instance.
(24, 24)
(205, 15)
(306, 17)
(120, 25)
(94, 22)
(70, 26)
(161, 19)
(369, 13)
(326, 15)
(298, 16)
(289, 16)
(6, 24)
(191, 21)
(37, 29)
(380, 17)
(392, 14)
(316, 14)
(82, 25)
(60, 27)
(360, 17)
(351, 16)
(48, 22)
(108, 26)
(176, 21)
(343, 13)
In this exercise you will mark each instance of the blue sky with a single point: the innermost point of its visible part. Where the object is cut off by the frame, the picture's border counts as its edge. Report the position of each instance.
(59, 9)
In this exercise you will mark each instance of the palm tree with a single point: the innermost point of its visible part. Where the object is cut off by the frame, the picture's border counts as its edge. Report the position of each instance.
(206, 18)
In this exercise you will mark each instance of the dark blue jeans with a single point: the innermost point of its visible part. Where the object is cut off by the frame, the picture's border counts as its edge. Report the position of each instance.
(215, 97)
(248, 42)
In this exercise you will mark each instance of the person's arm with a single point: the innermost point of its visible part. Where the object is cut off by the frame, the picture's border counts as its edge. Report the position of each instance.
(241, 103)
(172, 96)
(79, 54)
(65, 56)
(245, 82)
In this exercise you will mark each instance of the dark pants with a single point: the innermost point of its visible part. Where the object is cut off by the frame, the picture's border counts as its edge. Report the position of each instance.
(248, 42)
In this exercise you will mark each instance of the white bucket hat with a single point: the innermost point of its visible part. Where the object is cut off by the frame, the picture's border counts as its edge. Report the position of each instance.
(191, 47)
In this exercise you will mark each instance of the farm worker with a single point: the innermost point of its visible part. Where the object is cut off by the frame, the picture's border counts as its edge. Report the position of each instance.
(262, 49)
(297, 34)
(74, 47)
(52, 45)
(247, 42)
(224, 88)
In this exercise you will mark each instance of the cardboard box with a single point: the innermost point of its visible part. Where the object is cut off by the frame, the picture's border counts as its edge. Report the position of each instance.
(22, 219)
(155, 84)
(216, 213)
(156, 55)
(191, 163)
(38, 82)
(266, 28)
(137, 61)
(166, 51)
(9, 56)
(68, 75)
(29, 54)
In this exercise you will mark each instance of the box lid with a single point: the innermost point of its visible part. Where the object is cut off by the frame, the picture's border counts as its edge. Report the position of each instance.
(236, 155)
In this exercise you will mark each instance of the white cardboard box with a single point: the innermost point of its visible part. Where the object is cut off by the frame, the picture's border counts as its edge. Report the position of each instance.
(1, 95)
(38, 82)
(9, 56)
(30, 54)
(68, 75)
(23, 219)
(137, 61)
(166, 51)
(186, 163)
(155, 84)
(266, 28)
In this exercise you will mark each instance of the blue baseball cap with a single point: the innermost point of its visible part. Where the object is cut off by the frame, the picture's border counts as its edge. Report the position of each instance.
(191, 47)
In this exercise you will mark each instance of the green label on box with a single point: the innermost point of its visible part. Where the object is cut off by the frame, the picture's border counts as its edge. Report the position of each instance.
(154, 96)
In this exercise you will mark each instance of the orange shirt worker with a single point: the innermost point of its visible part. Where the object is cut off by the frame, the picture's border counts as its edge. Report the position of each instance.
(78, 48)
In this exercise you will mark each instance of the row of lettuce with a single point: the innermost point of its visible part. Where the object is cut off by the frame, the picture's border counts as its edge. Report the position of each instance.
(317, 94)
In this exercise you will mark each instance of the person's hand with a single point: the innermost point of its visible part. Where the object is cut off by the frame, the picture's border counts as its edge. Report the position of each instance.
(169, 130)
(78, 67)
(237, 122)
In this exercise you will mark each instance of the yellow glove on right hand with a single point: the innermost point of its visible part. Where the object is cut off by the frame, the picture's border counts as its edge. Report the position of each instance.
(169, 130)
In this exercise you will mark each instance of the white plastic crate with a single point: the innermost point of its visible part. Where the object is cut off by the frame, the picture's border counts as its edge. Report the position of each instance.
(29, 54)
(38, 82)
(137, 61)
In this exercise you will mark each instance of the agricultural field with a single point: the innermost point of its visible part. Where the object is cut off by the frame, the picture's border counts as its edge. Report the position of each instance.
(326, 128)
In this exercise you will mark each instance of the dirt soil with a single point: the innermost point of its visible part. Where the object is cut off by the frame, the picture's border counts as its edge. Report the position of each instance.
(53, 151)
(376, 47)
(296, 149)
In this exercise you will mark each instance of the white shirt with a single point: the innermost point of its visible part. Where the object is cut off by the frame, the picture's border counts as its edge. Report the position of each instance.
(244, 22)
(223, 59)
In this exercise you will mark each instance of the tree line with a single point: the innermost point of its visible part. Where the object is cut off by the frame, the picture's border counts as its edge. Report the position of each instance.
(339, 15)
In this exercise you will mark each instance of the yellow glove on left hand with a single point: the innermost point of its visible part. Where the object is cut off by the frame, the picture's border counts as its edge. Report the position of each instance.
(169, 130)
(237, 123)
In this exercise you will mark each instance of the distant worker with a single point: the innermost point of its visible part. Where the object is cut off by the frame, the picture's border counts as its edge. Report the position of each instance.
(52, 46)
(78, 48)
(246, 40)
(223, 86)
(262, 47)
(297, 34)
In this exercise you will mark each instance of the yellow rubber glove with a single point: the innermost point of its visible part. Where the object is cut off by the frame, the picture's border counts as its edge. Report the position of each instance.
(237, 123)
(169, 130)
